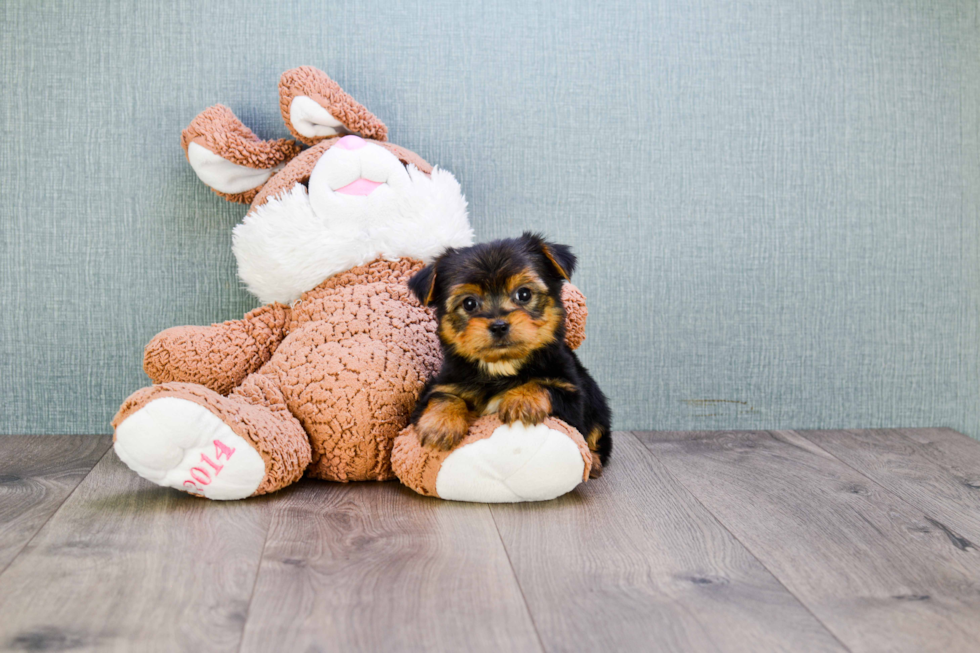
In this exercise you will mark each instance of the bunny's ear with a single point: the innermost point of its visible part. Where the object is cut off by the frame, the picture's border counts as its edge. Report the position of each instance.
(314, 107)
(229, 158)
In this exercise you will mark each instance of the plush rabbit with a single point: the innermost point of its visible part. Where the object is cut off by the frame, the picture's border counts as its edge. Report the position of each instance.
(322, 379)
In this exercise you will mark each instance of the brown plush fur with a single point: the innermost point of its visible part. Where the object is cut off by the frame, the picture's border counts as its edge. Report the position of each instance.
(221, 132)
(220, 356)
(418, 466)
(218, 130)
(313, 83)
(349, 377)
(257, 412)
(334, 384)
(323, 386)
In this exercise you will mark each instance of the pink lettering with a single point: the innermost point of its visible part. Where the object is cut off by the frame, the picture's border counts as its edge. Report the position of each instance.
(216, 467)
(202, 476)
(221, 449)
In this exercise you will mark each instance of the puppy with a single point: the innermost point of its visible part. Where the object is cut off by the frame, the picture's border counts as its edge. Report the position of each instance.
(502, 329)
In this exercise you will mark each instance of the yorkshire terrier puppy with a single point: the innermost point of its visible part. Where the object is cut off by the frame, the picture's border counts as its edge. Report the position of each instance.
(502, 329)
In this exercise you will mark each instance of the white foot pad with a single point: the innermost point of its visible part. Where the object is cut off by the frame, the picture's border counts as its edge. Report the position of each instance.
(516, 463)
(180, 444)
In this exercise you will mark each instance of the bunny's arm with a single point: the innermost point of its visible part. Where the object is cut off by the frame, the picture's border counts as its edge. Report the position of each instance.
(219, 356)
(575, 313)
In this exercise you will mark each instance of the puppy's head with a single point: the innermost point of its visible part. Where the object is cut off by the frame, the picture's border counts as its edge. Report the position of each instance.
(498, 302)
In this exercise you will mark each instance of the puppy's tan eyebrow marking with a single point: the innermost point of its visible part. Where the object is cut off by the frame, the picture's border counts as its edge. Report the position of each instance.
(460, 291)
(525, 278)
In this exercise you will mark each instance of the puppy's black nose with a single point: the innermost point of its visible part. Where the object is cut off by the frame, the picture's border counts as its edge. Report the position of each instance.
(499, 328)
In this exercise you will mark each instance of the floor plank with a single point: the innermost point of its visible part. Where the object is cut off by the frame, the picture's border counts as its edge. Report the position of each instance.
(37, 473)
(935, 470)
(374, 567)
(125, 565)
(875, 570)
(631, 561)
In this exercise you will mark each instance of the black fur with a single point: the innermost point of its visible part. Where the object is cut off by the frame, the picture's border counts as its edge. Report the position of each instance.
(491, 265)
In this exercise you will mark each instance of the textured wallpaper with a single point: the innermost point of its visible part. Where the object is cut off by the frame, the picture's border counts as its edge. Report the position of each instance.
(776, 204)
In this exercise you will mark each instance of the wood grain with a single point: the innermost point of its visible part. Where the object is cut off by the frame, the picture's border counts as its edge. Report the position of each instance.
(631, 561)
(879, 573)
(935, 470)
(374, 567)
(700, 541)
(36, 474)
(125, 565)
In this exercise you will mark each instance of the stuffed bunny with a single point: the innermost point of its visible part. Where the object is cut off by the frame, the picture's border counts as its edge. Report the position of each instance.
(322, 378)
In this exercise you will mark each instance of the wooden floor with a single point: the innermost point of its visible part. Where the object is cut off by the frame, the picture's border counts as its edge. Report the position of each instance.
(725, 541)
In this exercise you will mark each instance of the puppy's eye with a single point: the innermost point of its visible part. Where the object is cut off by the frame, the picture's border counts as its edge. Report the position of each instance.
(523, 295)
(470, 304)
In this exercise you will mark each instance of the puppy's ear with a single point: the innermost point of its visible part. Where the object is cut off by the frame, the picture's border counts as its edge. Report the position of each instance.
(423, 284)
(560, 256)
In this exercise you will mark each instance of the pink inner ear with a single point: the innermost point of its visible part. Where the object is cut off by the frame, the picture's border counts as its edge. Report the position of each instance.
(360, 187)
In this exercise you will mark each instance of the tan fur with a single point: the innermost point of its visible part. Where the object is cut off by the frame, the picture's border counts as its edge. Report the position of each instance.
(551, 257)
(459, 292)
(593, 442)
(529, 403)
(471, 339)
(593, 438)
(444, 423)
(492, 406)
(559, 384)
(501, 368)
(475, 400)
(526, 278)
(432, 290)
(532, 334)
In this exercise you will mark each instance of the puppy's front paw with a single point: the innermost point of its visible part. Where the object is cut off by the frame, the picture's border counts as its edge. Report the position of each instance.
(529, 404)
(444, 423)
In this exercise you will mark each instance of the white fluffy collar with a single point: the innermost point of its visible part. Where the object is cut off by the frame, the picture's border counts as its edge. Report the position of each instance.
(286, 247)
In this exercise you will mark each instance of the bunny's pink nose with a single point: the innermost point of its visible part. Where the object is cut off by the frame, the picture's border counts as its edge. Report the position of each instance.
(351, 142)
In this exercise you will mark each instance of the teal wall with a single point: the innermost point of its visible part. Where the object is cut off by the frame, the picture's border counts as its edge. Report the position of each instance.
(776, 204)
